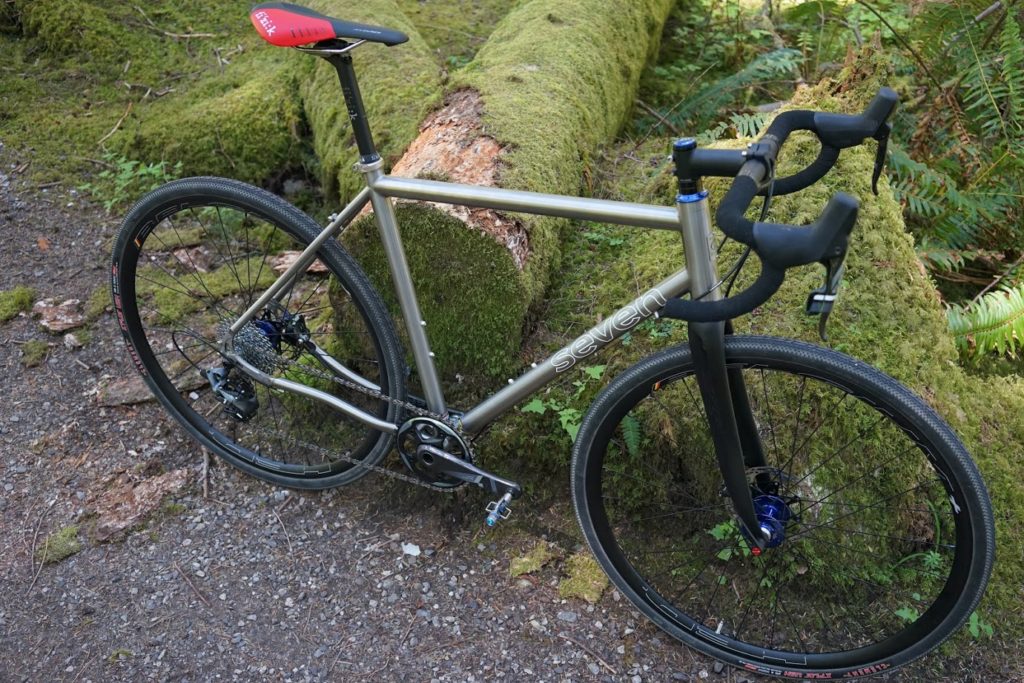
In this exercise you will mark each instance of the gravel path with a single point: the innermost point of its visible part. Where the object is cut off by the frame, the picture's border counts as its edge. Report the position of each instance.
(252, 583)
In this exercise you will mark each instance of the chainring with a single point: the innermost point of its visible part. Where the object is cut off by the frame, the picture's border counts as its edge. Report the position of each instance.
(426, 430)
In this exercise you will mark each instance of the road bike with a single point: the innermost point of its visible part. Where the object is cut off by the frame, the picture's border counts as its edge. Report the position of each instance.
(777, 505)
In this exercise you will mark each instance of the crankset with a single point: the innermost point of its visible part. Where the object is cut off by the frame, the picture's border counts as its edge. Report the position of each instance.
(439, 455)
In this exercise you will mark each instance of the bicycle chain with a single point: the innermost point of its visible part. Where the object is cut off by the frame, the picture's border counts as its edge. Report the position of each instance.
(280, 360)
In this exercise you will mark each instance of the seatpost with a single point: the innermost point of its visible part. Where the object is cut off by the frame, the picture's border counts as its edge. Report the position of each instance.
(342, 62)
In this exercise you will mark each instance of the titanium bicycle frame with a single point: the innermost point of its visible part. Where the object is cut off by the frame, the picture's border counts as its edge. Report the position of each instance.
(691, 218)
(722, 389)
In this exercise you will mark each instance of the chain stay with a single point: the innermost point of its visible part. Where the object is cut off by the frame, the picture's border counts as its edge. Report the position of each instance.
(380, 396)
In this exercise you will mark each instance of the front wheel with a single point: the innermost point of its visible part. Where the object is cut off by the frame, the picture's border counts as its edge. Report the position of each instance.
(191, 257)
(884, 534)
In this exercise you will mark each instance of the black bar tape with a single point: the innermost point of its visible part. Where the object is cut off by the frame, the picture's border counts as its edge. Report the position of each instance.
(734, 204)
(767, 283)
(806, 177)
(789, 121)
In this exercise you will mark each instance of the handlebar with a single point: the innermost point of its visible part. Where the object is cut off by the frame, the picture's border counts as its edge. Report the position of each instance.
(780, 246)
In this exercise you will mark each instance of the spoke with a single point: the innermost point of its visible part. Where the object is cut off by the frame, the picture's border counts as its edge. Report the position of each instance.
(806, 441)
(838, 452)
(848, 514)
(770, 564)
(227, 244)
(768, 408)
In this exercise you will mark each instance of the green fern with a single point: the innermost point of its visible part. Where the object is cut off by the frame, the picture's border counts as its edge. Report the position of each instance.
(631, 434)
(704, 105)
(994, 323)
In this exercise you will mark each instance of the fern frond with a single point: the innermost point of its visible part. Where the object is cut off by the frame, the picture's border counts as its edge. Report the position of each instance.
(1012, 73)
(994, 323)
(706, 103)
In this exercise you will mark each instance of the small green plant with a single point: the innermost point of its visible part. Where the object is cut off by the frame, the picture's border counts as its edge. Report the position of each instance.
(59, 545)
(978, 627)
(34, 352)
(125, 179)
(569, 417)
(600, 239)
(908, 614)
(14, 301)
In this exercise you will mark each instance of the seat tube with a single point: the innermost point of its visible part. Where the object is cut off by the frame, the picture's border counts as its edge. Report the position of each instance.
(387, 224)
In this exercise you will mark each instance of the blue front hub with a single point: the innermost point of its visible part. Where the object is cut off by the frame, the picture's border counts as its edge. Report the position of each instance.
(772, 514)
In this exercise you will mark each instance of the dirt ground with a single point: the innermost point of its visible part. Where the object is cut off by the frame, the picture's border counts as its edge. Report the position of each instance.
(248, 582)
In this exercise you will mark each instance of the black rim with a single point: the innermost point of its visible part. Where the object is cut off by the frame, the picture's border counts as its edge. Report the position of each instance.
(210, 258)
(864, 573)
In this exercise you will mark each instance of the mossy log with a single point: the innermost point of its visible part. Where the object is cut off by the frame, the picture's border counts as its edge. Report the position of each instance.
(244, 122)
(554, 81)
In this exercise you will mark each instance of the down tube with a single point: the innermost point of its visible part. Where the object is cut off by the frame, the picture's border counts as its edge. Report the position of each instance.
(613, 327)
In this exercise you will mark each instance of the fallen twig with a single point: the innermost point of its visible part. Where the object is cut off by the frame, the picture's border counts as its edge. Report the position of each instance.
(118, 124)
(653, 112)
(206, 473)
(406, 634)
(169, 34)
(287, 537)
(590, 652)
(46, 547)
(192, 585)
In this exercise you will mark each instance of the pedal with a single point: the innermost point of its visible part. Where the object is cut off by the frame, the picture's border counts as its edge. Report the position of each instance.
(499, 510)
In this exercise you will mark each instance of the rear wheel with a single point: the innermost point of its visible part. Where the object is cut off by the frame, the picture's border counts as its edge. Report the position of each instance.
(883, 533)
(190, 258)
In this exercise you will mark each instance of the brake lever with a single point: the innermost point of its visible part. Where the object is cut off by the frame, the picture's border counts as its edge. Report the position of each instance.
(883, 144)
(821, 300)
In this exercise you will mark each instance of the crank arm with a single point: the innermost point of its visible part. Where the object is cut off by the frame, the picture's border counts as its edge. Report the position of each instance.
(439, 462)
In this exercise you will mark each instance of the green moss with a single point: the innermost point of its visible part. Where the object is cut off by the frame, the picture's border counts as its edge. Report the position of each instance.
(15, 301)
(34, 352)
(119, 655)
(469, 290)
(64, 90)
(243, 122)
(585, 580)
(173, 509)
(455, 29)
(539, 556)
(97, 303)
(71, 28)
(399, 85)
(59, 545)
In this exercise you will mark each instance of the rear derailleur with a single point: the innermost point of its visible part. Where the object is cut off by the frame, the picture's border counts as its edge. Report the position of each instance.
(235, 392)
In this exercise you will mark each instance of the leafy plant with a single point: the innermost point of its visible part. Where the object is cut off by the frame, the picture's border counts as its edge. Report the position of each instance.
(995, 322)
(124, 179)
(569, 417)
(977, 627)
